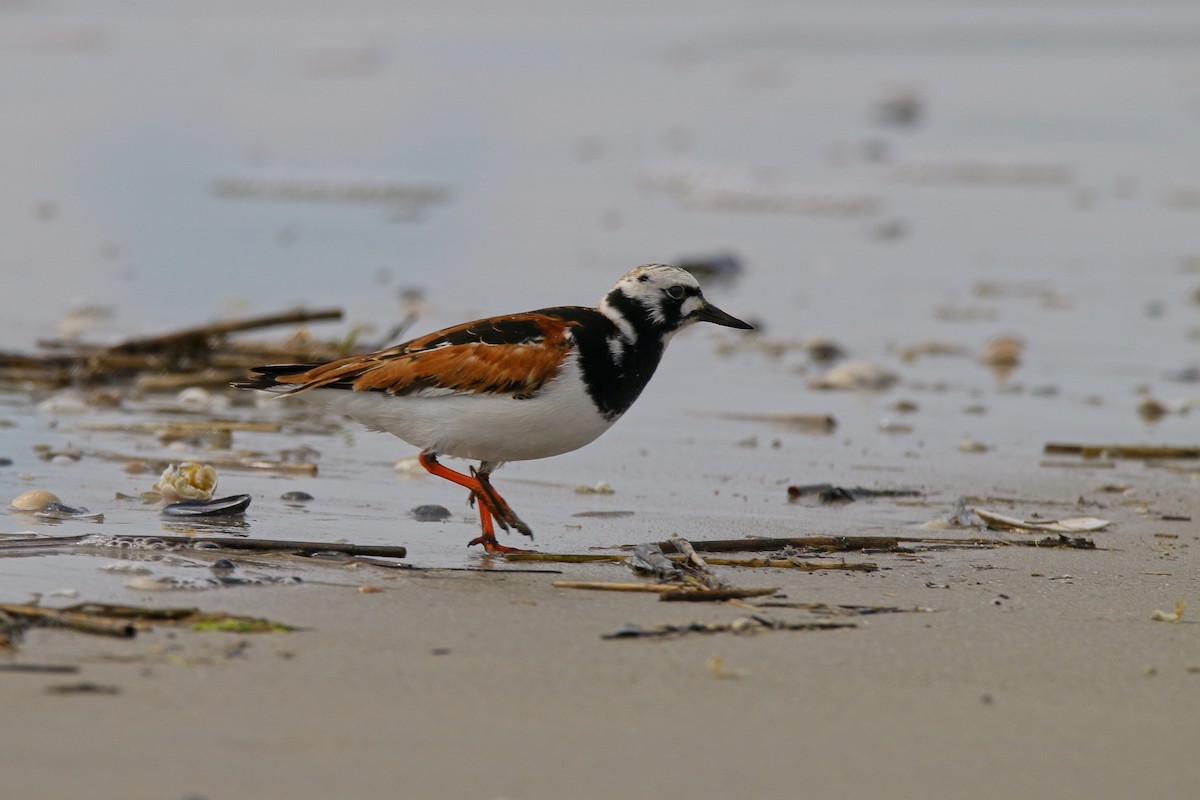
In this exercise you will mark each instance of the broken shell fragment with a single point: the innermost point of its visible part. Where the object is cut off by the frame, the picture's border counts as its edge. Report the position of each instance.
(1002, 351)
(855, 376)
(187, 481)
(34, 500)
(221, 507)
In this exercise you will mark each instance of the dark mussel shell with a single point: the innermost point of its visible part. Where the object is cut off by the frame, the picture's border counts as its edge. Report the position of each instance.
(217, 507)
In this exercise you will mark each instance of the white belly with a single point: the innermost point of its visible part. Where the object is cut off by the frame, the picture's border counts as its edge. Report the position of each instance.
(483, 427)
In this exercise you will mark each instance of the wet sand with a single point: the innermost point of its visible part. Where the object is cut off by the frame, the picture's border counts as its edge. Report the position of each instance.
(1022, 681)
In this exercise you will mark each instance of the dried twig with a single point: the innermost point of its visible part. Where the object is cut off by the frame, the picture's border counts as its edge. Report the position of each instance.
(87, 623)
(894, 544)
(200, 336)
(1121, 450)
(209, 543)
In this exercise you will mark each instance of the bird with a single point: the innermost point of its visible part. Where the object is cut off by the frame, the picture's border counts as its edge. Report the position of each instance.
(509, 388)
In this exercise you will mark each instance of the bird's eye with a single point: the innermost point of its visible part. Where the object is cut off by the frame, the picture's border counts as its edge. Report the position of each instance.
(675, 292)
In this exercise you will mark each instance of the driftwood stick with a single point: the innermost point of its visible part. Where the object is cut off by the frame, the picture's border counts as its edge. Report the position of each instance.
(199, 336)
(715, 561)
(847, 543)
(182, 426)
(1120, 450)
(812, 542)
(222, 542)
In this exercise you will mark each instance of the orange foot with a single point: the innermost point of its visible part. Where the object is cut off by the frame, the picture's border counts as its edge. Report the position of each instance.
(490, 545)
(492, 507)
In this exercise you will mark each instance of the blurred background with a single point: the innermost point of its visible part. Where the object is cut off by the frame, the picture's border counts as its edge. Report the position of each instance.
(884, 174)
(174, 162)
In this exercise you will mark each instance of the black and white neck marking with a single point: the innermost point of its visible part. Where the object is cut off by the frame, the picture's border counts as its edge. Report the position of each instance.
(644, 310)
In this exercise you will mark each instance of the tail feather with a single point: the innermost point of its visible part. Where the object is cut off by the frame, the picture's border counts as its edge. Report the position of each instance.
(267, 377)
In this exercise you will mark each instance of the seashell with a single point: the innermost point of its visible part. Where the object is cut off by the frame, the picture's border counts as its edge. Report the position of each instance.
(187, 481)
(33, 500)
(65, 403)
(855, 376)
(296, 497)
(221, 507)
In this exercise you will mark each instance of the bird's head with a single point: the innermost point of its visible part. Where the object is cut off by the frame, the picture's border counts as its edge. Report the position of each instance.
(662, 299)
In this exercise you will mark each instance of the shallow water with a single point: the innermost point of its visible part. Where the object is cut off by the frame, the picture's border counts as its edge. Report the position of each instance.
(176, 166)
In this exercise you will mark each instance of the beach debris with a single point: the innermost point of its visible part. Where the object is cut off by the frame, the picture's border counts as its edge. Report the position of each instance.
(855, 376)
(165, 542)
(826, 610)
(603, 487)
(124, 622)
(34, 500)
(198, 399)
(789, 558)
(51, 669)
(809, 423)
(689, 594)
(649, 559)
(190, 356)
(828, 493)
(1151, 409)
(742, 625)
(687, 577)
(218, 507)
(296, 497)
(891, 544)
(900, 105)
(985, 173)
(82, 687)
(1002, 354)
(969, 445)
(1176, 616)
(82, 621)
(64, 403)
(187, 481)
(430, 513)
(892, 426)
(1130, 451)
(821, 349)
(975, 517)
(169, 583)
(929, 347)
(996, 521)
(58, 455)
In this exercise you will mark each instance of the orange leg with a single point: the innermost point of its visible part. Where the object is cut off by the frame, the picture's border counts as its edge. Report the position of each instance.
(491, 505)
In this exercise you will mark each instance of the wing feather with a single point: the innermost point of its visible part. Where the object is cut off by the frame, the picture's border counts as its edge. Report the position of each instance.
(514, 355)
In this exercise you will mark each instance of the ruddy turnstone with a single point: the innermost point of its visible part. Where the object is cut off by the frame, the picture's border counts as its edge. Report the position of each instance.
(513, 387)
